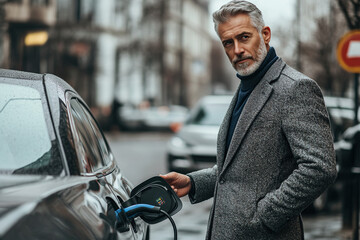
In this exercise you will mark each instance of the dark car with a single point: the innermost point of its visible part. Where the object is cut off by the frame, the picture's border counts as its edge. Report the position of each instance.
(341, 113)
(58, 177)
(348, 153)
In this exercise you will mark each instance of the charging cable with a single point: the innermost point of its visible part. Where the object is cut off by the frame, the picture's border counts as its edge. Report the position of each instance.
(140, 209)
(172, 223)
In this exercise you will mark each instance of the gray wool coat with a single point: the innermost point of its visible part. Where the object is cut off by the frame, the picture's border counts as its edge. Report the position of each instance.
(280, 159)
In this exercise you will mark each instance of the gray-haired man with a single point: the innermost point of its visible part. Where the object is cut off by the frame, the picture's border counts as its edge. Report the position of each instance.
(275, 148)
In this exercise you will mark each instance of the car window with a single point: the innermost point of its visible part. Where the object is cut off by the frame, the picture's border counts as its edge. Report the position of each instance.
(25, 145)
(92, 146)
(211, 114)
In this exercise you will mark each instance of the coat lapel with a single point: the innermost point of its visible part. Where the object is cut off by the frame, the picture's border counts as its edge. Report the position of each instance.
(223, 131)
(255, 103)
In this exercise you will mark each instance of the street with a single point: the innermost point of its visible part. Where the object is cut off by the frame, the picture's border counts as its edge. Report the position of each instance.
(143, 155)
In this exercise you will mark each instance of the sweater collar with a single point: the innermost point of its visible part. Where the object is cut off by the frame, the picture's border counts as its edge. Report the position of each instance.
(249, 82)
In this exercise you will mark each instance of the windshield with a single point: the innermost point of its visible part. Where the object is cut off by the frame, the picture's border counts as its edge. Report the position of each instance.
(25, 146)
(211, 114)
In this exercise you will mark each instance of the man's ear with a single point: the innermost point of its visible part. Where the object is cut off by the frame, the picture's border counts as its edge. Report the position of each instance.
(266, 33)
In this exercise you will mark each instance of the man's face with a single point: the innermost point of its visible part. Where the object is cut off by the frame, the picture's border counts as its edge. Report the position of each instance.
(244, 46)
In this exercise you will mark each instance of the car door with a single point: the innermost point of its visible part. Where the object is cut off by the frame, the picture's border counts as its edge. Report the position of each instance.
(95, 159)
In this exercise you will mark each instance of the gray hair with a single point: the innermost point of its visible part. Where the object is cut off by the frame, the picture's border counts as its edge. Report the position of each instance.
(235, 7)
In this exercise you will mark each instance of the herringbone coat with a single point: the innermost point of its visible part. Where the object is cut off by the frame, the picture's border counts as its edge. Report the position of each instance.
(280, 159)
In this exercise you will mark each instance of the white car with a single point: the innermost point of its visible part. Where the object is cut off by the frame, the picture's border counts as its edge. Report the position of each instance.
(151, 118)
(193, 147)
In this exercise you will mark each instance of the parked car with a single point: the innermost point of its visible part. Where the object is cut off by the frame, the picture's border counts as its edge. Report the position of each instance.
(193, 147)
(348, 152)
(163, 117)
(58, 177)
(130, 118)
(150, 118)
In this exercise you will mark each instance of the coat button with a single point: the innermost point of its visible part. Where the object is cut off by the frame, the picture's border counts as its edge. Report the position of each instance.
(222, 181)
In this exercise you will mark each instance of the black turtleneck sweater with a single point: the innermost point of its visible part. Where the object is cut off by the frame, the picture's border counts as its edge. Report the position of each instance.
(248, 83)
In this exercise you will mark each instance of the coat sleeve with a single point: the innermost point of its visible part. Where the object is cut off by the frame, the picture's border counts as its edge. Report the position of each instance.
(305, 124)
(204, 182)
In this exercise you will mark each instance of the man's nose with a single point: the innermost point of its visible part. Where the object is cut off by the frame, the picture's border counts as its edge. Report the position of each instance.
(238, 48)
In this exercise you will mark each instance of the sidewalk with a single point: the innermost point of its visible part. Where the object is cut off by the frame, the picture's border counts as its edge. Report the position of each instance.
(325, 226)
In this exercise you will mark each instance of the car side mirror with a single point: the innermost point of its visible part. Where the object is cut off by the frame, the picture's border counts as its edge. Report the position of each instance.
(156, 192)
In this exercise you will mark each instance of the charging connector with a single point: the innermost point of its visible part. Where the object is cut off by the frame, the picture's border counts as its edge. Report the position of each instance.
(136, 210)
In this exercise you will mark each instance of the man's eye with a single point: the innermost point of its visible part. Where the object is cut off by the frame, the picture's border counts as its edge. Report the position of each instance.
(245, 37)
(227, 43)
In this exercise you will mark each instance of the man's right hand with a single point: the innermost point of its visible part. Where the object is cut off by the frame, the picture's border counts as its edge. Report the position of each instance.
(179, 182)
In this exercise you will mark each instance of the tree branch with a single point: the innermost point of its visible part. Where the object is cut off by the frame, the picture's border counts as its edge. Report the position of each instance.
(355, 14)
(344, 8)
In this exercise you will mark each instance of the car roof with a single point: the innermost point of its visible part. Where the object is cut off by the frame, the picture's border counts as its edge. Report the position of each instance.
(6, 73)
(51, 81)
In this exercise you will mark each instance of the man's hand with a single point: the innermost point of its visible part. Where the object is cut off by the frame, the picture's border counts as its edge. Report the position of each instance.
(179, 182)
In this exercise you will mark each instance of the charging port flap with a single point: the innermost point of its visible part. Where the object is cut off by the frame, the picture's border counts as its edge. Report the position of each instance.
(156, 192)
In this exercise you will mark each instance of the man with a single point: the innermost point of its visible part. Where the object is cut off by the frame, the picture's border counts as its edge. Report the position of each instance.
(275, 148)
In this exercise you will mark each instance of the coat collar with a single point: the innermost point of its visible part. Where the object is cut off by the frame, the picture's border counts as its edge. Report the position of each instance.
(255, 103)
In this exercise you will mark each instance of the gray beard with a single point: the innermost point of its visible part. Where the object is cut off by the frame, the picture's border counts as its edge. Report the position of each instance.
(245, 70)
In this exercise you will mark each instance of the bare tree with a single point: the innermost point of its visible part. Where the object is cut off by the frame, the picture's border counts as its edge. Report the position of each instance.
(351, 11)
(320, 54)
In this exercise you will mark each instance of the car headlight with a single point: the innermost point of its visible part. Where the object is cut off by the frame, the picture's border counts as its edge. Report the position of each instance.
(178, 142)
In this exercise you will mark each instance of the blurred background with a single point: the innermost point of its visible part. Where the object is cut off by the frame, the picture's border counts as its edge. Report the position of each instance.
(139, 53)
(143, 66)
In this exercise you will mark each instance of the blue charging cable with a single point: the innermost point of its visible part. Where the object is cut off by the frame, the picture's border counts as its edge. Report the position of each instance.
(137, 210)
(140, 209)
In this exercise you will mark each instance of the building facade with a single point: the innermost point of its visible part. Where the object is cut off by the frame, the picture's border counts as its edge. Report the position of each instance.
(128, 52)
(84, 44)
(168, 58)
(25, 31)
